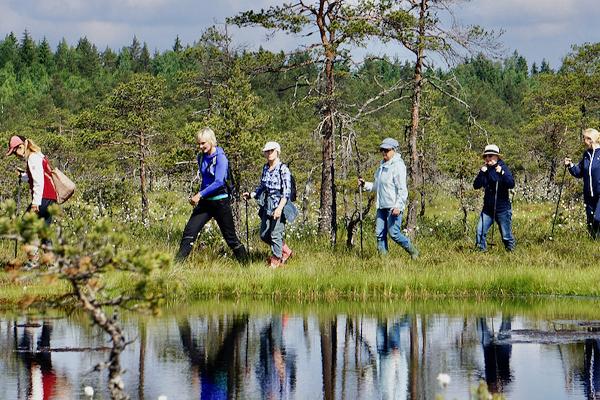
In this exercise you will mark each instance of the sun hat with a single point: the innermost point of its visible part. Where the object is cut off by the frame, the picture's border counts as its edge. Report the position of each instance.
(272, 146)
(491, 149)
(13, 143)
(389, 143)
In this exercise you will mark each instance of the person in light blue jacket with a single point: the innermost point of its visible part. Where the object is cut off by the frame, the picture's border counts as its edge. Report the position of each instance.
(392, 194)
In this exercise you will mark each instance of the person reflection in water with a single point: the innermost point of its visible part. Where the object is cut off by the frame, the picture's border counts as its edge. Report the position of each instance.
(590, 376)
(219, 369)
(37, 360)
(496, 357)
(393, 367)
(276, 369)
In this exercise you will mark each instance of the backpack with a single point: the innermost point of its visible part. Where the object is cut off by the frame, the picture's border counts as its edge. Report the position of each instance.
(293, 192)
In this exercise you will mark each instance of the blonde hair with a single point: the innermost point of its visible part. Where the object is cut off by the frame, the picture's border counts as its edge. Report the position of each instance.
(208, 135)
(30, 146)
(592, 134)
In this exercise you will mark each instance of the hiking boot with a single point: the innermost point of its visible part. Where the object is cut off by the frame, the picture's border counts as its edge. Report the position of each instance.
(414, 253)
(286, 253)
(274, 262)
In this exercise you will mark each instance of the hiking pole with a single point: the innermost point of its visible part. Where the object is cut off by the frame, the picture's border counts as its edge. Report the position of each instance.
(18, 203)
(360, 217)
(560, 188)
(494, 214)
(247, 229)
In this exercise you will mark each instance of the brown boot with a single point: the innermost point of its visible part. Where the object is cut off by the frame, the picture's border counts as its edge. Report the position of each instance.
(274, 262)
(286, 253)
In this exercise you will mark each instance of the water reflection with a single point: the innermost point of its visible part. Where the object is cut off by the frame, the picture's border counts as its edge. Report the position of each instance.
(496, 357)
(285, 355)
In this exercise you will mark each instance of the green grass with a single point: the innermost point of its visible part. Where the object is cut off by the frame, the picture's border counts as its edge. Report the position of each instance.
(448, 267)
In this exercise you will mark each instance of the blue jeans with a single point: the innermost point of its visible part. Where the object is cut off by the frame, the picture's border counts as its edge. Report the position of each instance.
(387, 223)
(504, 221)
(271, 232)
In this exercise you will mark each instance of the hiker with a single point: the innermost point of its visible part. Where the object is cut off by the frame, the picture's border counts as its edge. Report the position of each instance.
(273, 195)
(213, 199)
(496, 179)
(589, 170)
(392, 193)
(37, 174)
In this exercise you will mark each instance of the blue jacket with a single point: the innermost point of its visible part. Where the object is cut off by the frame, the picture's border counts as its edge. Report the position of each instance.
(213, 169)
(588, 169)
(487, 180)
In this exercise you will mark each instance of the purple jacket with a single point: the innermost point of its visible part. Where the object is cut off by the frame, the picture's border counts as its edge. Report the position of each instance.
(213, 169)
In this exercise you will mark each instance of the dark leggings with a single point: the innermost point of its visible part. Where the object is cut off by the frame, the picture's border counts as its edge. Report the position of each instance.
(45, 215)
(220, 210)
(592, 212)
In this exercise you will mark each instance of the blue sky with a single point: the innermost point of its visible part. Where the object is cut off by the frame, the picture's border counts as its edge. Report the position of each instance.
(535, 28)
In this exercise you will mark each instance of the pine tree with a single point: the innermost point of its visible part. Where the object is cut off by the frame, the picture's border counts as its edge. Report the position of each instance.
(27, 50)
(9, 50)
(45, 56)
(143, 64)
(545, 67)
(63, 57)
(87, 58)
(177, 45)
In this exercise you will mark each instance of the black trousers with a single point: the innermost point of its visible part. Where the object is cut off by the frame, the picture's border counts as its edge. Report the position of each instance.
(592, 213)
(220, 210)
(45, 215)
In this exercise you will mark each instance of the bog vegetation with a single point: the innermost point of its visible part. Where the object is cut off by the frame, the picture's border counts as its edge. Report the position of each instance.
(121, 123)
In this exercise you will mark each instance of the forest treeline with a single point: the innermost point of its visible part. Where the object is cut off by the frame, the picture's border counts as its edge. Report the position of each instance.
(113, 118)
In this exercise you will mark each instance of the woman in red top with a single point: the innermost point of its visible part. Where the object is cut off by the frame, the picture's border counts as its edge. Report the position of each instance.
(38, 175)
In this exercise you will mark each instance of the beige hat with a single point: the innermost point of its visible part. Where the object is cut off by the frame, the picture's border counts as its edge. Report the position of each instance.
(272, 146)
(491, 149)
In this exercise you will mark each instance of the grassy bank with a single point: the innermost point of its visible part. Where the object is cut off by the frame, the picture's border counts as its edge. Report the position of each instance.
(449, 267)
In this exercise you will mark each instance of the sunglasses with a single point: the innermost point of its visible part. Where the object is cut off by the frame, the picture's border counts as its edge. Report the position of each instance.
(385, 150)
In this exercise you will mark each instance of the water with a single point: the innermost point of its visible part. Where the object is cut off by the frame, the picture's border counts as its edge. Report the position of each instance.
(392, 351)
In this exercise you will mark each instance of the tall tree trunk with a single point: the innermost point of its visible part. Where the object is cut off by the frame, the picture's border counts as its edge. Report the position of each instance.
(415, 174)
(143, 191)
(327, 206)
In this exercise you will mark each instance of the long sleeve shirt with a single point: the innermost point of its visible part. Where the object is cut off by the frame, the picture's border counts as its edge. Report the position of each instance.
(275, 184)
(493, 203)
(390, 184)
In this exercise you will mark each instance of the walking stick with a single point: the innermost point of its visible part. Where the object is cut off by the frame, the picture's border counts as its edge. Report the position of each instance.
(247, 229)
(18, 205)
(494, 214)
(562, 183)
(360, 217)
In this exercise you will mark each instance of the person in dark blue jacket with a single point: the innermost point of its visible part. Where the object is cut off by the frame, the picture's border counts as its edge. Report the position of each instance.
(496, 179)
(212, 201)
(589, 170)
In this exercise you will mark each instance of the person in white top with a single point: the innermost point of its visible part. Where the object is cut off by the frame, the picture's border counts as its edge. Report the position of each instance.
(43, 194)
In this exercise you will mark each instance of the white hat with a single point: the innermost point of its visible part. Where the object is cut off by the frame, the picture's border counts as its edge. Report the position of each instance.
(272, 146)
(491, 149)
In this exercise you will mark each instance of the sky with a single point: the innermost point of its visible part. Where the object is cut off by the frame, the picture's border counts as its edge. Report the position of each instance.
(537, 29)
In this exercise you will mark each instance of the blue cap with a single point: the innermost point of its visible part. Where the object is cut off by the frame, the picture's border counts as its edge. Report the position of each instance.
(389, 143)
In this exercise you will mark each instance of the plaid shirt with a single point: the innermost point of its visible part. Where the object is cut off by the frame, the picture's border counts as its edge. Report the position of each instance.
(275, 184)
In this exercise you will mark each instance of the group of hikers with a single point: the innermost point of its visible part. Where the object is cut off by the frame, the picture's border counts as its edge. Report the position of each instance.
(273, 194)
